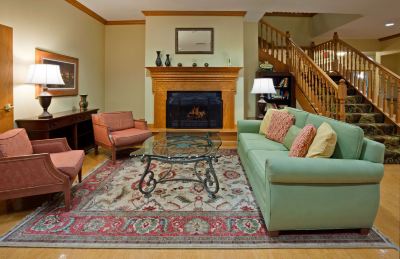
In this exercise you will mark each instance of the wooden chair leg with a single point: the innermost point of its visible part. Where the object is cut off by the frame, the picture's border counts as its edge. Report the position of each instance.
(80, 176)
(96, 149)
(364, 231)
(67, 199)
(273, 233)
(114, 155)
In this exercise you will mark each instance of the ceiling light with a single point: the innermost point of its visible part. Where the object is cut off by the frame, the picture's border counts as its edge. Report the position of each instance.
(389, 24)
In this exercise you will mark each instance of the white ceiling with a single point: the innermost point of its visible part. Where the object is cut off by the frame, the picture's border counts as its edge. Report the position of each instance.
(371, 25)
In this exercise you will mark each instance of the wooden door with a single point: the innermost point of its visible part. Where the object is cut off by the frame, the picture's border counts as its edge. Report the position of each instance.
(6, 78)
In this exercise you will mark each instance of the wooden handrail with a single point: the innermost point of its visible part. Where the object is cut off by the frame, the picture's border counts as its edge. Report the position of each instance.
(322, 92)
(379, 85)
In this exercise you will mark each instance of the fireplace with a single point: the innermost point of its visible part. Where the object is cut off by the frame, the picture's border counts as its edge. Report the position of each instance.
(188, 110)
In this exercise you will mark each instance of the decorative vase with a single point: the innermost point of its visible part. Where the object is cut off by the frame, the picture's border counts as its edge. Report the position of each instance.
(194, 65)
(179, 64)
(206, 64)
(83, 104)
(167, 61)
(158, 59)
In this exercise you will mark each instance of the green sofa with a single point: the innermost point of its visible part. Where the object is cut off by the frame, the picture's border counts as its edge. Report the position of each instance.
(341, 192)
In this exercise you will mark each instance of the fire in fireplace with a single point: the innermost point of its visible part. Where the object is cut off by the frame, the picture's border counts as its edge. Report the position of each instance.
(194, 110)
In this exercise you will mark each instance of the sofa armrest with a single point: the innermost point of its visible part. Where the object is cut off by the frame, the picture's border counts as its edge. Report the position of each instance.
(102, 134)
(372, 151)
(55, 145)
(141, 124)
(281, 169)
(248, 126)
(22, 173)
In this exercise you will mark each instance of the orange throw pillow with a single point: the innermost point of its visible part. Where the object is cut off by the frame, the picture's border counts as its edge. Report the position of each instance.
(303, 141)
(279, 126)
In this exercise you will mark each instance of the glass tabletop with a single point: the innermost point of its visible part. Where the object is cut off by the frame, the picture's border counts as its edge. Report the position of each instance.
(180, 145)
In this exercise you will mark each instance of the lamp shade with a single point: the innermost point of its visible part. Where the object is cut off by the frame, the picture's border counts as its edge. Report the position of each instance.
(44, 74)
(263, 86)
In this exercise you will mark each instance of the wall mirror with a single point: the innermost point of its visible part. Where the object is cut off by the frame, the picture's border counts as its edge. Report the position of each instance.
(194, 40)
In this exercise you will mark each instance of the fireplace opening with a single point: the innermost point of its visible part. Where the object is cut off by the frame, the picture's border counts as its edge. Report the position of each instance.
(189, 110)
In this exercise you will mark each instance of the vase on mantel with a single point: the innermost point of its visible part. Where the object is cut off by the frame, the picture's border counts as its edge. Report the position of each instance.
(83, 104)
(158, 59)
(167, 61)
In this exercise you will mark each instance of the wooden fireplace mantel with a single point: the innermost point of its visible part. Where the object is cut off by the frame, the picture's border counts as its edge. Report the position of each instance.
(166, 79)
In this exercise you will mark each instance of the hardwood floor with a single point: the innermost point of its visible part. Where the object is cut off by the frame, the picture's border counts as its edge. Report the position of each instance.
(387, 221)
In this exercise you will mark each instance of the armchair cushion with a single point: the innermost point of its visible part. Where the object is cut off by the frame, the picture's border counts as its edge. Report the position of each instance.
(128, 137)
(15, 142)
(70, 162)
(117, 120)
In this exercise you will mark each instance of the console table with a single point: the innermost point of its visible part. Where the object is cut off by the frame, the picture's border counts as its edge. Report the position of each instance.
(76, 126)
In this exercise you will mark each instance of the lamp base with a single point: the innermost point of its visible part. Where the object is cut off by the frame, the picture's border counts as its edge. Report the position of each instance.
(45, 101)
(261, 103)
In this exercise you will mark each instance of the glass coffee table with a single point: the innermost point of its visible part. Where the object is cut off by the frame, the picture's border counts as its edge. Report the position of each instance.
(180, 148)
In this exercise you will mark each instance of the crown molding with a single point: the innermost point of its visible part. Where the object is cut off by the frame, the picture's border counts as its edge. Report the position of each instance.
(390, 37)
(126, 22)
(289, 14)
(93, 14)
(194, 13)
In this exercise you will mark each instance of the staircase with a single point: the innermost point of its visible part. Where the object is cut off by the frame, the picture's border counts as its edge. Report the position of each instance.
(338, 81)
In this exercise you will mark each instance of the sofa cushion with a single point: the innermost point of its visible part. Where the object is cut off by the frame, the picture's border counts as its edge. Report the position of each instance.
(267, 120)
(69, 162)
(253, 141)
(117, 120)
(258, 158)
(15, 142)
(279, 126)
(349, 137)
(324, 142)
(290, 136)
(303, 141)
(129, 136)
(301, 116)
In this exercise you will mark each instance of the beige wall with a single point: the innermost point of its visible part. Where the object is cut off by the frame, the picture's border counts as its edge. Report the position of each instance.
(124, 65)
(392, 61)
(228, 42)
(325, 22)
(250, 67)
(58, 27)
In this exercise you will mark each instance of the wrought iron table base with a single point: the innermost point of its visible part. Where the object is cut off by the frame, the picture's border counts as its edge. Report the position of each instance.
(209, 182)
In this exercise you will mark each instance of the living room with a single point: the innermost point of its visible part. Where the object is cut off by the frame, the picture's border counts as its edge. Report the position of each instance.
(114, 47)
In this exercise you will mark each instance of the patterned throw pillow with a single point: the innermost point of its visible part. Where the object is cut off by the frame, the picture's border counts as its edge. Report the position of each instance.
(279, 126)
(267, 120)
(303, 141)
(324, 142)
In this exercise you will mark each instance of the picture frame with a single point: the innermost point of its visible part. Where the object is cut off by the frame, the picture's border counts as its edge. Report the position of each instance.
(69, 68)
(194, 40)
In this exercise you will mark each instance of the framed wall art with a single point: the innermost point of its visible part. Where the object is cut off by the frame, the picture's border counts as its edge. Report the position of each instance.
(69, 68)
(194, 40)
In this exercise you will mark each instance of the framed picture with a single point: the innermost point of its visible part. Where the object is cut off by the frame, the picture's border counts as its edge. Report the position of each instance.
(194, 40)
(69, 68)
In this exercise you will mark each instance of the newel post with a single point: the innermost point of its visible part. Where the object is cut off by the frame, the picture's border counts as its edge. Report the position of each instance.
(288, 61)
(335, 65)
(342, 94)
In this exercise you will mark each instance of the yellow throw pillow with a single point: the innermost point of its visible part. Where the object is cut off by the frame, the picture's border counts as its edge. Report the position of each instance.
(324, 142)
(267, 119)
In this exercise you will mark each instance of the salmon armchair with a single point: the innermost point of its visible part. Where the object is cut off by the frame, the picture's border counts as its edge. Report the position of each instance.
(118, 130)
(30, 168)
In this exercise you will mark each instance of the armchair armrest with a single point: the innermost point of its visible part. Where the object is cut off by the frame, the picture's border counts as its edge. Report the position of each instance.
(372, 151)
(248, 126)
(55, 145)
(141, 124)
(281, 169)
(20, 175)
(102, 134)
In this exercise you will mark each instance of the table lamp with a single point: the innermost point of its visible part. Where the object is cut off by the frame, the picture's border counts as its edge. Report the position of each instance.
(262, 86)
(44, 74)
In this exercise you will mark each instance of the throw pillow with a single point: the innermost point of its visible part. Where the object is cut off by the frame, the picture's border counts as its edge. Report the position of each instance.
(290, 136)
(324, 142)
(303, 141)
(279, 126)
(267, 120)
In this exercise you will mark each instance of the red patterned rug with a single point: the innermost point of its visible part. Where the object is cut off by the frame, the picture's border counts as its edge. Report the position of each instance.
(109, 212)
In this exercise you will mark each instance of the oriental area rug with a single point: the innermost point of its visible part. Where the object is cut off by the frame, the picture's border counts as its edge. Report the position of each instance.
(108, 211)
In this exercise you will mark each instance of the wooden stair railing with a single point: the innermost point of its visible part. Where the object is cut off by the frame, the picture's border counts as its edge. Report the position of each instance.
(379, 85)
(326, 97)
